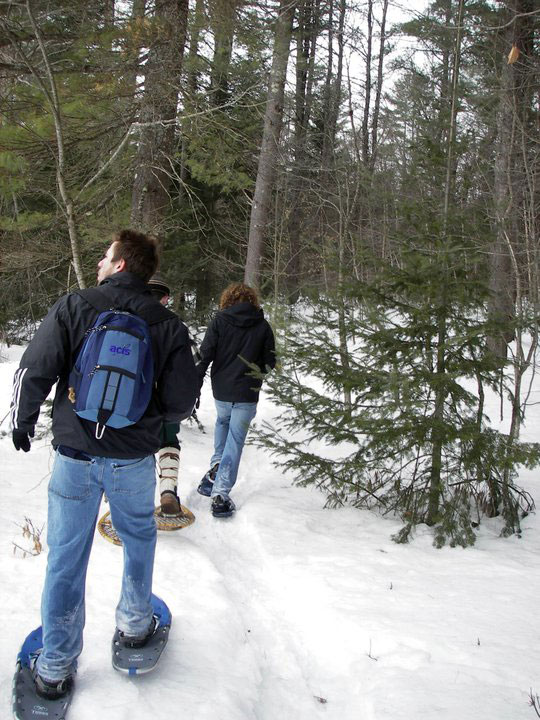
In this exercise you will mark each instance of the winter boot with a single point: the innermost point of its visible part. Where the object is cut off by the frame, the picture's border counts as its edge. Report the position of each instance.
(168, 464)
(222, 507)
(52, 690)
(139, 641)
(205, 486)
(170, 504)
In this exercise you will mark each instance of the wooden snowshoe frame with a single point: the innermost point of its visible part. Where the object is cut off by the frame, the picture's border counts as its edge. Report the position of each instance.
(163, 523)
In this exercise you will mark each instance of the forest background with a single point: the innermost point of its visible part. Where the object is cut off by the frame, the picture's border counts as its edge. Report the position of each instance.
(378, 182)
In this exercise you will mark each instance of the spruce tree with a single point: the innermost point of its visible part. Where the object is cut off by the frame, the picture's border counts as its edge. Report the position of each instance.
(406, 412)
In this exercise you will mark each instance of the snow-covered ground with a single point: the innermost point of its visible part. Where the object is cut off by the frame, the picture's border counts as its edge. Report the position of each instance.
(288, 611)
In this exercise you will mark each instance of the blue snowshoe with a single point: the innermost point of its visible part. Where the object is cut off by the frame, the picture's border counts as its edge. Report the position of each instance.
(33, 697)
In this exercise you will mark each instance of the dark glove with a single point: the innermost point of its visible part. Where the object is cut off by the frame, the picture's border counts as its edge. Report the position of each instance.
(21, 439)
(198, 403)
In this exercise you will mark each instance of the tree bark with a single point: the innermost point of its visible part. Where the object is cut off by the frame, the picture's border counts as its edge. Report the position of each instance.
(192, 84)
(270, 142)
(378, 94)
(333, 91)
(367, 95)
(501, 272)
(223, 20)
(51, 94)
(133, 48)
(450, 162)
(150, 194)
(306, 40)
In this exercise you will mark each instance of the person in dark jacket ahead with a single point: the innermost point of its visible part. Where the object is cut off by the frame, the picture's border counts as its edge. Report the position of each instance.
(238, 336)
(120, 464)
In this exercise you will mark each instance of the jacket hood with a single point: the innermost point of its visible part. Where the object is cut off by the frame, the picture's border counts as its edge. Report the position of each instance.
(243, 315)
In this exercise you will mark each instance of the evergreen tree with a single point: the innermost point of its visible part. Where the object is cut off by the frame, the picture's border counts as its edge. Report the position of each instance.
(412, 434)
(64, 128)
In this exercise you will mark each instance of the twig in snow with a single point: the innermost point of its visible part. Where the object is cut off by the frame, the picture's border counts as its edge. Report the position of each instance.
(30, 532)
(534, 702)
(369, 653)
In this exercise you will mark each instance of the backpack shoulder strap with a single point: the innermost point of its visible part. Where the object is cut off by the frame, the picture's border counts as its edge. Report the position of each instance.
(152, 313)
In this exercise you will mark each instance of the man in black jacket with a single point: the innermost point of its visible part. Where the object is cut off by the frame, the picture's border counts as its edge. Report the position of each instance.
(120, 464)
(237, 338)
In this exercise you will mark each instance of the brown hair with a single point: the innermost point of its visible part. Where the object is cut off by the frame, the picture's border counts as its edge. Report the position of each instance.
(238, 293)
(139, 251)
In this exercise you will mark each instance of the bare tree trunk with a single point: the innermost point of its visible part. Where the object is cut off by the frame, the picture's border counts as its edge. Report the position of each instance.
(270, 142)
(108, 12)
(367, 96)
(223, 21)
(307, 33)
(150, 195)
(51, 94)
(133, 48)
(501, 278)
(333, 91)
(435, 484)
(194, 40)
(445, 75)
(450, 164)
(192, 82)
(378, 94)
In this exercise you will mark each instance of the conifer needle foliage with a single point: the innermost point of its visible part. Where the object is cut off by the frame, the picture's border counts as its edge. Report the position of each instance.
(414, 439)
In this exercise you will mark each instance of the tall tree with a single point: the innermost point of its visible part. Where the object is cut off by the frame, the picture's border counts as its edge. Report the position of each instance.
(65, 117)
(515, 101)
(268, 155)
(158, 115)
(307, 33)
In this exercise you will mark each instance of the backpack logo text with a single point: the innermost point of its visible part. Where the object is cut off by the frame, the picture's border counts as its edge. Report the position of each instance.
(119, 350)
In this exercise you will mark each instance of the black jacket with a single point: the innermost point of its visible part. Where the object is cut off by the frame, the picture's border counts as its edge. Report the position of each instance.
(237, 336)
(53, 350)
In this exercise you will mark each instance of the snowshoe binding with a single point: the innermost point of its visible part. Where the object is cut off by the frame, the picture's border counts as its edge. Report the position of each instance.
(222, 507)
(207, 483)
(138, 655)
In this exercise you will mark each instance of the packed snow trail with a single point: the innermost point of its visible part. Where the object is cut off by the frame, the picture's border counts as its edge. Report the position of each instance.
(288, 611)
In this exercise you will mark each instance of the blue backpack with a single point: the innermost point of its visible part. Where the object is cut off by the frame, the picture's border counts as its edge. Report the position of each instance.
(112, 380)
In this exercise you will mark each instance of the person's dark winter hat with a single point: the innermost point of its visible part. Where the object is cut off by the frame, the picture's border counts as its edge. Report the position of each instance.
(159, 285)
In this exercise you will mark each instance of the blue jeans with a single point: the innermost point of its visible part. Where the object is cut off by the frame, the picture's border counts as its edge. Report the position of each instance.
(75, 491)
(232, 425)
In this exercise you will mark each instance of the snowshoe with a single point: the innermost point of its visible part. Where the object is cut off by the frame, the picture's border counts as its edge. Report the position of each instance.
(138, 655)
(222, 507)
(33, 696)
(206, 484)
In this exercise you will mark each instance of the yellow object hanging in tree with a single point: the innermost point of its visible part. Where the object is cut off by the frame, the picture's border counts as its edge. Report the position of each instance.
(513, 55)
